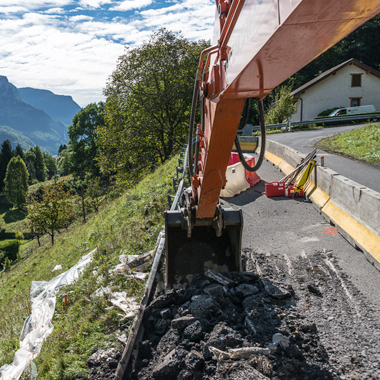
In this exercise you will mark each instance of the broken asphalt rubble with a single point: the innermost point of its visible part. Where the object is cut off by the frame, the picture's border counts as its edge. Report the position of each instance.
(230, 326)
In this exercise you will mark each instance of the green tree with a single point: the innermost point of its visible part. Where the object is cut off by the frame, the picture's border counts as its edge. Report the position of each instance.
(50, 165)
(5, 156)
(36, 216)
(30, 158)
(39, 164)
(83, 139)
(148, 104)
(94, 194)
(79, 186)
(282, 106)
(50, 211)
(16, 182)
(61, 148)
(19, 152)
(65, 162)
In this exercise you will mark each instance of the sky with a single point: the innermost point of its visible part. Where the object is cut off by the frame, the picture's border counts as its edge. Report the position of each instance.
(71, 47)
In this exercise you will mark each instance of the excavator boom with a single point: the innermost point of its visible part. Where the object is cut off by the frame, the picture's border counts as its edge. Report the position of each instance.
(257, 45)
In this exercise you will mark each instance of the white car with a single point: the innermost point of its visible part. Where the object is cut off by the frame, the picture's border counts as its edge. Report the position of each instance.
(353, 110)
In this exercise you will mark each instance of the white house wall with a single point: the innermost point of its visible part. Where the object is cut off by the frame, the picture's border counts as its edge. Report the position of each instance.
(336, 91)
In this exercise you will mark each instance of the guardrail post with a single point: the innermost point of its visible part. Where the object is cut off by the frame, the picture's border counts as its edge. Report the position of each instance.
(170, 200)
(179, 169)
(174, 183)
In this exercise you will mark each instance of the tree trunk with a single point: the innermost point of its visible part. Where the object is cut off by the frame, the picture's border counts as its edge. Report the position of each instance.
(83, 209)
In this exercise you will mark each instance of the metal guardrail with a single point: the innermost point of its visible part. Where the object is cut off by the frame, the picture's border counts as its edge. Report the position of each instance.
(322, 121)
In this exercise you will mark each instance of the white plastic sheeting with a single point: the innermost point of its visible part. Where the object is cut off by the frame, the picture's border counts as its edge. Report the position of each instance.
(123, 266)
(119, 299)
(38, 326)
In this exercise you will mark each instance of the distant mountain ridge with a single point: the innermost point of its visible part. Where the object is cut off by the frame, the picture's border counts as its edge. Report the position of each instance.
(60, 107)
(33, 116)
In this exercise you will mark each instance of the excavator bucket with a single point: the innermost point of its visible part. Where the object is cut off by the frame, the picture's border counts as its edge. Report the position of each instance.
(187, 256)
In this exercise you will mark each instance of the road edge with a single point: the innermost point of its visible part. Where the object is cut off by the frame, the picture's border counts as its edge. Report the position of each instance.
(352, 208)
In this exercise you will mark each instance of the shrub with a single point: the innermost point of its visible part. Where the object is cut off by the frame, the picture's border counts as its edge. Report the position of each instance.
(282, 106)
(6, 235)
(9, 250)
(7, 263)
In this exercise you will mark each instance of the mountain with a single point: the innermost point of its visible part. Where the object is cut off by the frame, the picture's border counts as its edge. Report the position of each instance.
(15, 137)
(59, 107)
(32, 121)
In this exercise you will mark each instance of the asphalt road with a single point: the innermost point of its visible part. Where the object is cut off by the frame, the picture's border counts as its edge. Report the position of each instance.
(282, 225)
(304, 142)
(335, 287)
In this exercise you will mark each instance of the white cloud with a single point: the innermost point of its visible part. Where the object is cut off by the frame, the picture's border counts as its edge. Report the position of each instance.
(12, 9)
(94, 3)
(33, 18)
(162, 11)
(194, 18)
(128, 5)
(64, 62)
(81, 18)
(74, 53)
(55, 11)
(35, 4)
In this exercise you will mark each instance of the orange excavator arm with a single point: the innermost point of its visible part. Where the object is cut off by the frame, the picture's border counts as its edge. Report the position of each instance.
(257, 45)
(261, 44)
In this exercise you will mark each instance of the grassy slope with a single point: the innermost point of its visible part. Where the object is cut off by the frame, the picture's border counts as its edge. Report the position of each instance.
(136, 218)
(362, 144)
(9, 216)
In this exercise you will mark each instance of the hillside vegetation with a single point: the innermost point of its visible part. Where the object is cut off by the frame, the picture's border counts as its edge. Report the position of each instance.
(95, 201)
(88, 323)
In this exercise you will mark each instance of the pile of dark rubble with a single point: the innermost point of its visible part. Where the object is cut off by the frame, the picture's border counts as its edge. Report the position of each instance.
(230, 326)
(103, 363)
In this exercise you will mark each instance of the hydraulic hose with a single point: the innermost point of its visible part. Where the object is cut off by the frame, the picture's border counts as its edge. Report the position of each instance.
(193, 165)
(263, 142)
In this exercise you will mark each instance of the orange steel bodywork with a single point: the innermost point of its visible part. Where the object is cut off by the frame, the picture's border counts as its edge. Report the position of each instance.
(260, 44)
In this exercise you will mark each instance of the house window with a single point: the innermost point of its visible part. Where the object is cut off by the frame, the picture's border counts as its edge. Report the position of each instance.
(355, 102)
(356, 80)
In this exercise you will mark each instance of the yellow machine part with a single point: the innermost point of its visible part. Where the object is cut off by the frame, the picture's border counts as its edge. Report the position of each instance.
(305, 175)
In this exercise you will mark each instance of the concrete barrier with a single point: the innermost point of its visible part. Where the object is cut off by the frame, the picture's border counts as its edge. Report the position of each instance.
(322, 176)
(352, 207)
(236, 181)
(290, 155)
